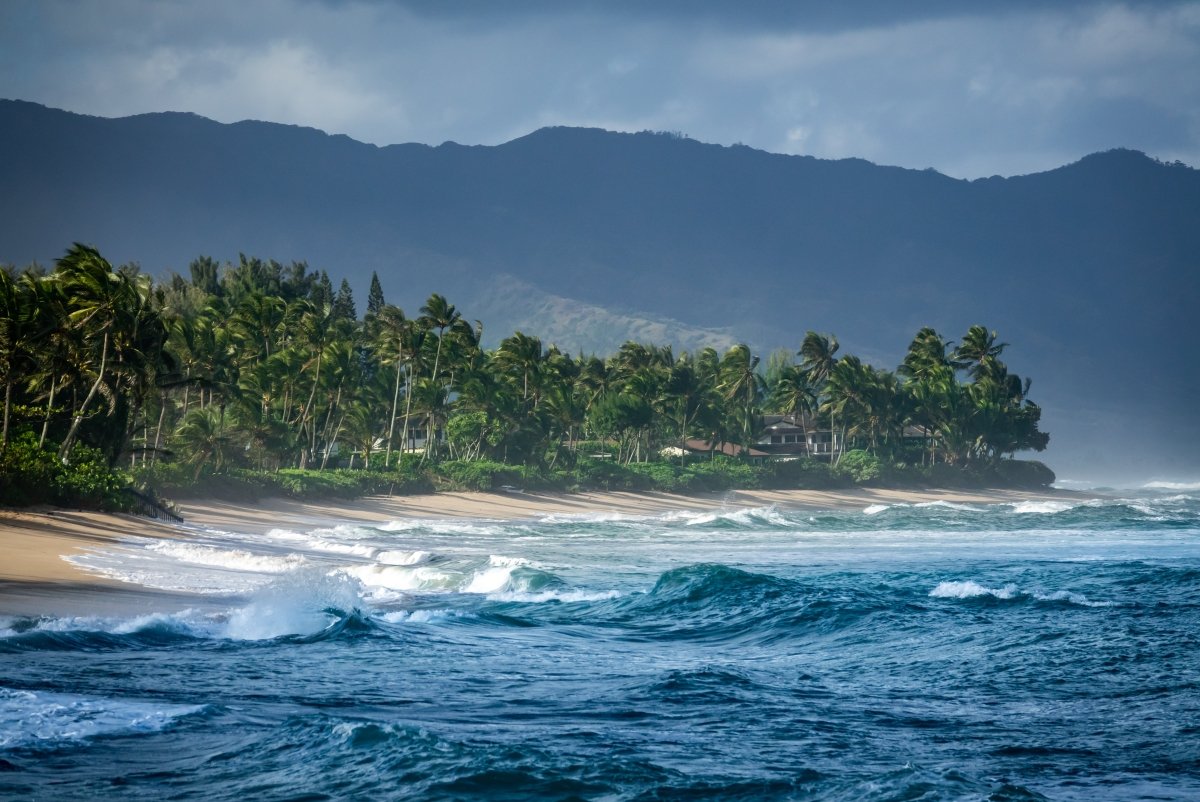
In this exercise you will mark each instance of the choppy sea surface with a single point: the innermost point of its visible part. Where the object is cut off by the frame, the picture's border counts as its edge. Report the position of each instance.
(1025, 651)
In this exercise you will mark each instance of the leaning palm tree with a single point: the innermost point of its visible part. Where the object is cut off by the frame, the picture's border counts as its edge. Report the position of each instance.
(979, 351)
(101, 304)
(202, 437)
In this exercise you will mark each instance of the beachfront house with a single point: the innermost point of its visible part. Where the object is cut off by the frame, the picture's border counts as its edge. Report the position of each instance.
(785, 436)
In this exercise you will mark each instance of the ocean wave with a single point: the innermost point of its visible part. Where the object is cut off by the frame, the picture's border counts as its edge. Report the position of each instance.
(40, 719)
(410, 578)
(397, 557)
(302, 603)
(554, 595)
(753, 517)
(96, 633)
(939, 504)
(419, 616)
(1043, 507)
(1184, 486)
(972, 590)
(229, 559)
(449, 526)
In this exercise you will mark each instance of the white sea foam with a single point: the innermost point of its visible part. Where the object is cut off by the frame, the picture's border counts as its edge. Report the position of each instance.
(334, 547)
(184, 622)
(490, 580)
(875, 509)
(1046, 507)
(747, 516)
(396, 557)
(560, 595)
(970, 590)
(1068, 596)
(230, 559)
(949, 505)
(41, 719)
(593, 518)
(1185, 486)
(153, 571)
(438, 526)
(300, 603)
(285, 534)
(419, 616)
(403, 577)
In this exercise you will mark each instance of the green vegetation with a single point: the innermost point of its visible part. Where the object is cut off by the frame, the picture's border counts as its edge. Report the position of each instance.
(260, 379)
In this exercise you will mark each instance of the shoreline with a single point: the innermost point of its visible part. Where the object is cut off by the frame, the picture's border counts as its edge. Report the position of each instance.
(36, 579)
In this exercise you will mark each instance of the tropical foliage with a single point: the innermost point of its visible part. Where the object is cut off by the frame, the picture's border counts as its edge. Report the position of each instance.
(257, 366)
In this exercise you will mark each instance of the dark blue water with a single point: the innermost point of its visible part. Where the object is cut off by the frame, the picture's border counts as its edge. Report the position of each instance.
(1039, 651)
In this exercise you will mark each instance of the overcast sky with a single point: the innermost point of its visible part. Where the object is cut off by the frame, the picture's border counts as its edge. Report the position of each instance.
(969, 88)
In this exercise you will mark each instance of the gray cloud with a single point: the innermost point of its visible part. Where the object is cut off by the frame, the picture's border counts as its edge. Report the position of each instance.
(959, 87)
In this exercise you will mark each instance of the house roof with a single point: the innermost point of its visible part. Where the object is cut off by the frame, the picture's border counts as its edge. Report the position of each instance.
(728, 449)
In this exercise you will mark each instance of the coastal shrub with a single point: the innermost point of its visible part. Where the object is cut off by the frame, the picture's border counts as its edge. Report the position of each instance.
(861, 467)
(247, 484)
(31, 475)
(590, 448)
(535, 477)
(478, 474)
(603, 474)
(1024, 473)
(664, 476)
(723, 473)
(801, 474)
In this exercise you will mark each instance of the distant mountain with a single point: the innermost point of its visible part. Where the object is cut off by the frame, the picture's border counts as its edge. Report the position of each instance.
(587, 237)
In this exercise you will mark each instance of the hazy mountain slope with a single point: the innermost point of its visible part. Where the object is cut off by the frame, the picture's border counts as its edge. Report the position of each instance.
(1089, 270)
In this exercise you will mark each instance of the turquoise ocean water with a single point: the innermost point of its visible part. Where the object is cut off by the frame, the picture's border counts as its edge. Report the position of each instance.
(1036, 650)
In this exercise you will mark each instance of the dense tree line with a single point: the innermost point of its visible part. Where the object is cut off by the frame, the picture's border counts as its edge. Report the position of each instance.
(268, 366)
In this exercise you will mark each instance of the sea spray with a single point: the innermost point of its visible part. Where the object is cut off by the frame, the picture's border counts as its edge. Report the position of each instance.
(303, 602)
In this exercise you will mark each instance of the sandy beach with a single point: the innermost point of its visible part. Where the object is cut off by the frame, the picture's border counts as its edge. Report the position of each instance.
(35, 575)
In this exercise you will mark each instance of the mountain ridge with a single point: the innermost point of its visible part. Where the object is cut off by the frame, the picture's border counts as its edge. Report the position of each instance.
(1082, 267)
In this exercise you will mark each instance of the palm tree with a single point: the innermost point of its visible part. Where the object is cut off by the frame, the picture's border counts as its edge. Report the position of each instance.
(101, 302)
(202, 437)
(53, 369)
(793, 394)
(522, 355)
(394, 343)
(927, 354)
(438, 313)
(14, 314)
(979, 351)
(818, 352)
(742, 388)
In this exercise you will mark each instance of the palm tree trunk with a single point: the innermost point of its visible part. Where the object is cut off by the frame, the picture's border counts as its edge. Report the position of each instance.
(49, 409)
(336, 433)
(387, 460)
(162, 413)
(312, 397)
(7, 406)
(68, 443)
(407, 410)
